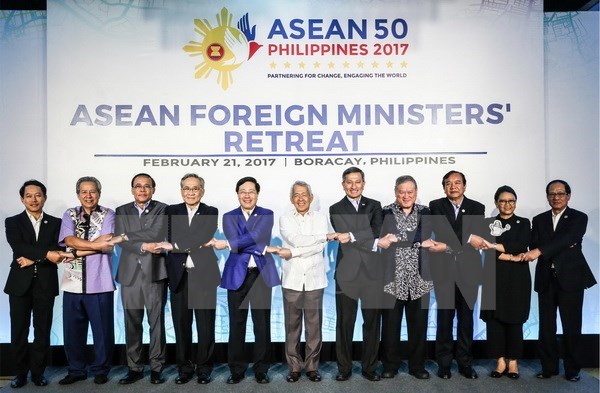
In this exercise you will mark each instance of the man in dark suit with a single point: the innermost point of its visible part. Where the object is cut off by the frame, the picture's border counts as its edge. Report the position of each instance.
(561, 275)
(358, 274)
(248, 276)
(32, 282)
(456, 270)
(142, 274)
(193, 279)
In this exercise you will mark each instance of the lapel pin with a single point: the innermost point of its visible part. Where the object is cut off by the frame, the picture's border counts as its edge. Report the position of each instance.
(146, 211)
(518, 221)
(566, 216)
(45, 222)
(463, 210)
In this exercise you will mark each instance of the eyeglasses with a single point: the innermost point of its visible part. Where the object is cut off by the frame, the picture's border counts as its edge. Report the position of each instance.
(143, 187)
(557, 194)
(187, 190)
(510, 202)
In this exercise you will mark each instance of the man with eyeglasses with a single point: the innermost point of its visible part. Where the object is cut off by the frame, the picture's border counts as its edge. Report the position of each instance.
(561, 275)
(88, 286)
(193, 279)
(249, 276)
(142, 274)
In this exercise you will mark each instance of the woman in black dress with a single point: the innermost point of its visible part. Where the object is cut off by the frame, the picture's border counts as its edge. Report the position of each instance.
(507, 285)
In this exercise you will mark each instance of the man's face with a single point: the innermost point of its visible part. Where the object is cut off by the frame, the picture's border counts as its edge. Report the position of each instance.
(354, 185)
(557, 196)
(33, 200)
(142, 189)
(301, 199)
(454, 187)
(88, 195)
(192, 191)
(247, 195)
(406, 194)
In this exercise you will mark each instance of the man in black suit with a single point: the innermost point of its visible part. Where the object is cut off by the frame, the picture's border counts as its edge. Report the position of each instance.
(456, 268)
(193, 279)
(357, 221)
(561, 275)
(142, 273)
(32, 282)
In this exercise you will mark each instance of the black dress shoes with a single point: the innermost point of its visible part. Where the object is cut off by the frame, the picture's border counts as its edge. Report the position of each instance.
(373, 377)
(262, 377)
(100, 379)
(204, 378)
(70, 379)
(18, 382)
(183, 378)
(420, 374)
(131, 377)
(343, 376)
(235, 378)
(512, 375)
(156, 377)
(444, 373)
(468, 372)
(313, 376)
(545, 374)
(294, 376)
(573, 378)
(39, 380)
(389, 374)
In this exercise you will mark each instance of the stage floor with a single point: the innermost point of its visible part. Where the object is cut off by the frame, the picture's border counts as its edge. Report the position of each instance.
(402, 382)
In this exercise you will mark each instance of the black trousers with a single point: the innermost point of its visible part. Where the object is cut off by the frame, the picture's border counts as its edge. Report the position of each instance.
(570, 305)
(254, 294)
(444, 341)
(40, 304)
(183, 316)
(370, 293)
(417, 311)
(504, 339)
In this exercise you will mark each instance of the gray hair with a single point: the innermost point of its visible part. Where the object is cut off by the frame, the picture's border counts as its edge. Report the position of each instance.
(188, 175)
(301, 184)
(91, 179)
(405, 179)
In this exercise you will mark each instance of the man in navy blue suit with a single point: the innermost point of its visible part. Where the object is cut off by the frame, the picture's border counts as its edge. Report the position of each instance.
(561, 275)
(248, 276)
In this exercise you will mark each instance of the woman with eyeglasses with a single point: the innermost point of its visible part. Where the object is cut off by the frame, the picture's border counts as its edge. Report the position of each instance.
(507, 284)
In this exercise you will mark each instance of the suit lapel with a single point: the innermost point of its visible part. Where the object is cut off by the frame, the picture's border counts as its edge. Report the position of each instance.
(449, 210)
(562, 220)
(26, 223)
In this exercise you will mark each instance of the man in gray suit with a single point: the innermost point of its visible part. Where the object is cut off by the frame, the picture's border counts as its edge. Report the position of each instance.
(142, 274)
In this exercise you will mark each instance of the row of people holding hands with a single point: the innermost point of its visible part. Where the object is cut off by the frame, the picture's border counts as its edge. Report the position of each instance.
(389, 258)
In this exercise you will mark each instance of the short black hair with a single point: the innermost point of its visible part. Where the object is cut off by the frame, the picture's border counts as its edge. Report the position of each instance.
(564, 183)
(353, 169)
(32, 182)
(144, 175)
(447, 175)
(502, 189)
(245, 180)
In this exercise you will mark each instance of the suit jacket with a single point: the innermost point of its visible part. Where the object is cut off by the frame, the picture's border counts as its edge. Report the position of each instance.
(150, 227)
(21, 238)
(188, 239)
(248, 238)
(365, 226)
(463, 265)
(561, 247)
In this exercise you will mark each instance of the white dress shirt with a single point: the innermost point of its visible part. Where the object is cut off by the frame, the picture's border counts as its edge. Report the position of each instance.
(306, 237)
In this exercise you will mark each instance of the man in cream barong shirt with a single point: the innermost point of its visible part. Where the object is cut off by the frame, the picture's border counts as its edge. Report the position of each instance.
(305, 233)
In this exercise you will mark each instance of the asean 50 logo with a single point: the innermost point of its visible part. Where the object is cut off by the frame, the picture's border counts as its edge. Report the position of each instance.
(223, 48)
